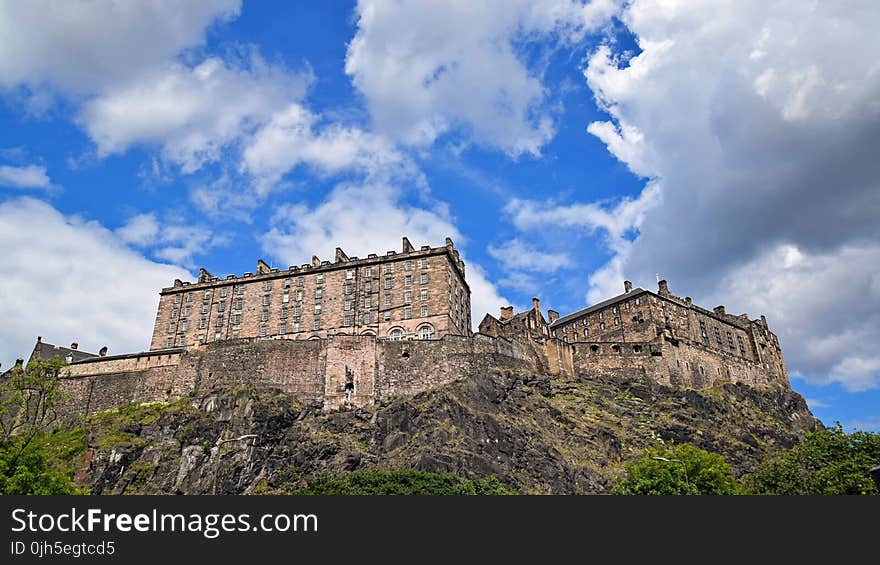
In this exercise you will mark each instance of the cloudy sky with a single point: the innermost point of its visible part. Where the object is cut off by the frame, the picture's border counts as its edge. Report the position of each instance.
(729, 145)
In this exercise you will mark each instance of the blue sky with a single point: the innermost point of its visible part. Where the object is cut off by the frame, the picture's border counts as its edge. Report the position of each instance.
(564, 145)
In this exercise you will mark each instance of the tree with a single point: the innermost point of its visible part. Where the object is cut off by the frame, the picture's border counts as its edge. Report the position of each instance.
(678, 469)
(827, 461)
(28, 398)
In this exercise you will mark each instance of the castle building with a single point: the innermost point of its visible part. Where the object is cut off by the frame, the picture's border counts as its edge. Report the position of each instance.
(414, 294)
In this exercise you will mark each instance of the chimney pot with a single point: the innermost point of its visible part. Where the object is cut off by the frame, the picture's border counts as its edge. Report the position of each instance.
(627, 286)
(103, 351)
(536, 304)
(719, 310)
(662, 288)
(553, 315)
(74, 345)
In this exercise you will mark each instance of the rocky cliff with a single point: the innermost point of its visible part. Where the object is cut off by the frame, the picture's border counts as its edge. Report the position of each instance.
(536, 433)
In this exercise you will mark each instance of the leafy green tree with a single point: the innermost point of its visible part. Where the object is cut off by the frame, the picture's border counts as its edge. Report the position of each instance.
(827, 461)
(28, 399)
(400, 482)
(678, 469)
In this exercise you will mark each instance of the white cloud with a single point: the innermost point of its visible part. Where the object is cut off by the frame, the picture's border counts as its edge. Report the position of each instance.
(83, 47)
(759, 126)
(192, 113)
(27, 176)
(171, 241)
(517, 255)
(291, 139)
(815, 403)
(426, 68)
(368, 218)
(67, 280)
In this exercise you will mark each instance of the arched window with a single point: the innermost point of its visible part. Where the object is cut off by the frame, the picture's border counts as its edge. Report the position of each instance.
(368, 332)
(426, 331)
(395, 334)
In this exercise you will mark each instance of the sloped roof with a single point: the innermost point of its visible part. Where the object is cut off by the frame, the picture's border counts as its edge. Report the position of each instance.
(43, 350)
(601, 305)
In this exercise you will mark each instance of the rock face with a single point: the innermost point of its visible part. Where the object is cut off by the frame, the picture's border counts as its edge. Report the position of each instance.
(537, 433)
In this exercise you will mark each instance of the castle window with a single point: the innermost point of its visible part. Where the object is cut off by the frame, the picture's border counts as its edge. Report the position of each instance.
(239, 289)
(286, 283)
(284, 313)
(223, 292)
(424, 311)
(169, 342)
(319, 292)
(387, 315)
(317, 309)
(296, 326)
(387, 299)
(601, 325)
(236, 319)
(396, 334)
(181, 340)
(407, 297)
(177, 298)
(367, 302)
(316, 325)
(389, 268)
(267, 285)
(407, 280)
(264, 331)
(626, 305)
(266, 300)
(189, 297)
(368, 286)
(183, 325)
(424, 263)
(346, 320)
(601, 315)
(615, 349)
(368, 318)
(201, 338)
(368, 271)
(236, 304)
(298, 296)
(638, 301)
(594, 349)
(407, 313)
(285, 298)
(173, 313)
(219, 322)
(264, 316)
(742, 345)
(616, 321)
(424, 294)
(637, 348)
(348, 289)
(217, 336)
(319, 279)
(234, 333)
(172, 327)
(221, 306)
(297, 311)
(299, 281)
(423, 278)
(387, 283)
(730, 342)
(408, 265)
(186, 311)
(426, 331)
(346, 305)
(202, 323)
(207, 295)
(349, 274)
(614, 309)
(586, 332)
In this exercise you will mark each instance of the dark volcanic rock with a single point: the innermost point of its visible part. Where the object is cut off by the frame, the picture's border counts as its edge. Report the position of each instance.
(537, 433)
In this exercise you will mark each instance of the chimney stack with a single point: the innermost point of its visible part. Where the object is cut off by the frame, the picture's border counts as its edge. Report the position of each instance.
(553, 315)
(506, 313)
(341, 256)
(204, 275)
(103, 351)
(262, 267)
(536, 305)
(719, 310)
(662, 288)
(74, 345)
(627, 286)
(407, 246)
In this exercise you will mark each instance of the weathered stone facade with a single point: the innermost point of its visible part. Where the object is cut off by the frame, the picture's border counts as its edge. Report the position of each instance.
(415, 294)
(369, 346)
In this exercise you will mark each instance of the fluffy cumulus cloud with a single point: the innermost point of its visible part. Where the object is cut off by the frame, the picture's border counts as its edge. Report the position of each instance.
(518, 255)
(82, 47)
(191, 113)
(369, 218)
(172, 241)
(293, 137)
(758, 121)
(67, 280)
(27, 176)
(426, 68)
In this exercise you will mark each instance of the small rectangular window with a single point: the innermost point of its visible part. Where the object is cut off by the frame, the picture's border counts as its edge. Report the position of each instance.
(423, 279)
(346, 320)
(387, 315)
(319, 292)
(219, 322)
(407, 297)
(266, 300)
(285, 298)
(189, 297)
(348, 289)
(424, 263)
(368, 271)
(319, 279)
(186, 311)
(316, 325)
(297, 311)
(367, 318)
(408, 266)
(424, 311)
(183, 325)
(223, 291)
(236, 305)
(282, 328)
(388, 299)
(221, 306)
(299, 281)
(267, 285)
(264, 316)
(317, 309)
(207, 295)
(349, 274)
(346, 305)
(367, 302)
(407, 280)
(389, 268)
(296, 326)
(264, 331)
(218, 336)
(284, 313)
(286, 283)
(202, 323)
(173, 313)
(387, 283)
(368, 286)
(177, 298)
(204, 308)
(172, 327)
(236, 319)
(299, 296)
(169, 342)
(234, 333)
(239, 289)
(407, 313)
(423, 294)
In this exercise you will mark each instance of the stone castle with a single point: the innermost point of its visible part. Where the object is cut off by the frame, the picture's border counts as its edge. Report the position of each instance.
(353, 332)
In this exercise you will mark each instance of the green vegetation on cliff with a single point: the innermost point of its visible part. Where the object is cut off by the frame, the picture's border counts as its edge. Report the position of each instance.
(679, 469)
(399, 482)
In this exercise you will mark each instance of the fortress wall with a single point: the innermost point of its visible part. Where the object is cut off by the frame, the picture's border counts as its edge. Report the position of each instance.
(349, 358)
(124, 363)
